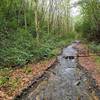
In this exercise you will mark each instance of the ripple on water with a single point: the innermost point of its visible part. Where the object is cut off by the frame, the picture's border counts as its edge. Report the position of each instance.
(68, 82)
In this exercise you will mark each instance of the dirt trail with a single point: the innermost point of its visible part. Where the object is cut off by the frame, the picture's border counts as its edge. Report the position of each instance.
(65, 81)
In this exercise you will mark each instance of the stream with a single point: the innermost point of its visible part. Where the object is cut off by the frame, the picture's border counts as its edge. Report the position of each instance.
(65, 81)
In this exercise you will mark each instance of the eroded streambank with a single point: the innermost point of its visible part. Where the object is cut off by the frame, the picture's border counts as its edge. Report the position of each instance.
(65, 80)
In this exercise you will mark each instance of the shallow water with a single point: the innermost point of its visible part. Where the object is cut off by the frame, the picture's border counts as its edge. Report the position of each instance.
(65, 82)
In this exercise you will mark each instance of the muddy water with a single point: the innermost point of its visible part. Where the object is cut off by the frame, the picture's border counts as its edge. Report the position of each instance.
(65, 81)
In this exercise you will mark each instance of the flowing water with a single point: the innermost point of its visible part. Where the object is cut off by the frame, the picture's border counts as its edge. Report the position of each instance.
(66, 81)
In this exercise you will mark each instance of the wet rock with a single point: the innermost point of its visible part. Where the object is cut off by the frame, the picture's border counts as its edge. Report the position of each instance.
(64, 81)
(77, 83)
(69, 57)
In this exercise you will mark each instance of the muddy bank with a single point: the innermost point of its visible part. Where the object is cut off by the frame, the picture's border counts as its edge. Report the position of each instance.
(64, 81)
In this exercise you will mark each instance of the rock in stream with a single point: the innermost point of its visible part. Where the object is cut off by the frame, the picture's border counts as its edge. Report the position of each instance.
(66, 81)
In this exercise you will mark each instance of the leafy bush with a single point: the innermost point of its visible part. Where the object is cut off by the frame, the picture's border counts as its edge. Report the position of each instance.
(18, 50)
(18, 43)
(89, 22)
(94, 47)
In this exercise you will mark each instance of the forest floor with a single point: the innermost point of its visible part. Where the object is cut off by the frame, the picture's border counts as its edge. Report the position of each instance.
(66, 80)
(90, 62)
(15, 80)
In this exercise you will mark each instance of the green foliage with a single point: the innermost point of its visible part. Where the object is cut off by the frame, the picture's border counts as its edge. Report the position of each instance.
(95, 47)
(23, 48)
(89, 24)
(18, 34)
(27, 69)
(18, 50)
(98, 60)
(3, 80)
(4, 76)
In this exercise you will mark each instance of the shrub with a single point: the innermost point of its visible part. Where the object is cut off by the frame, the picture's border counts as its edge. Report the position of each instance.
(18, 50)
